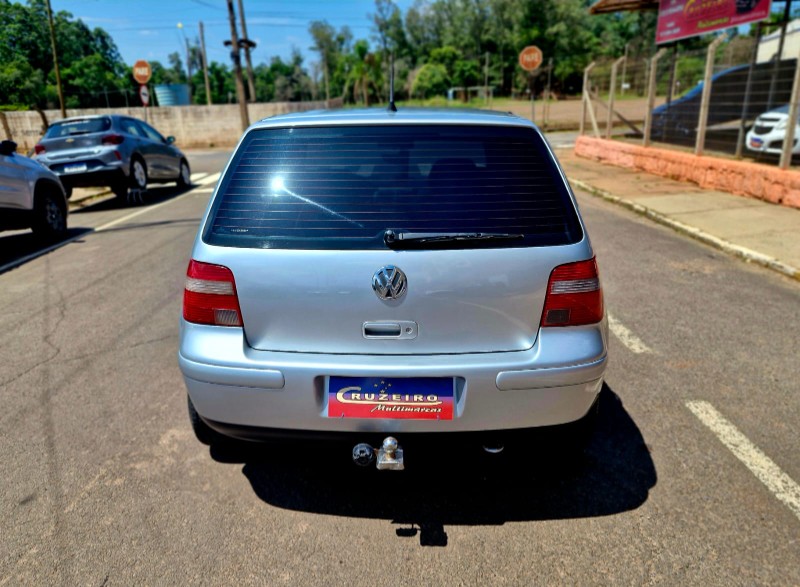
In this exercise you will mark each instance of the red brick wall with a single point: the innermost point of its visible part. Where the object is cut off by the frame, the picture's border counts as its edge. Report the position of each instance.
(737, 177)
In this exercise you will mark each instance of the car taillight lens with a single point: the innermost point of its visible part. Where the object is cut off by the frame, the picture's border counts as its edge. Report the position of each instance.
(574, 296)
(113, 139)
(39, 149)
(210, 295)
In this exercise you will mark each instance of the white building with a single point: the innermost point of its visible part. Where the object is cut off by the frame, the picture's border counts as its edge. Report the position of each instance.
(768, 46)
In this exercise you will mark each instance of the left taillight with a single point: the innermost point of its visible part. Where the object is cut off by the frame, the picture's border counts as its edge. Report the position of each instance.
(39, 149)
(210, 295)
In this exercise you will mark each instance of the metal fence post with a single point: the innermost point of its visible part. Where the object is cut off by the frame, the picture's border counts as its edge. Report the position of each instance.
(586, 99)
(651, 97)
(704, 102)
(788, 140)
(612, 91)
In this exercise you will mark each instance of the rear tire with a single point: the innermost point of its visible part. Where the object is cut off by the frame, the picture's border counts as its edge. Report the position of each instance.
(138, 175)
(185, 175)
(49, 215)
(204, 433)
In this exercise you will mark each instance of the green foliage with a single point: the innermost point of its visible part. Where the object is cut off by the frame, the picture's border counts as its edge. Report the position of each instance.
(431, 80)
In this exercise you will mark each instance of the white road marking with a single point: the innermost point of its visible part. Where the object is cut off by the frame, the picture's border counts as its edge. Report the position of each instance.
(210, 180)
(101, 228)
(198, 176)
(108, 225)
(626, 337)
(779, 483)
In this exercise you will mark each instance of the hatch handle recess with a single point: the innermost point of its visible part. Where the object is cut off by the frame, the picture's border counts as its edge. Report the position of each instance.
(391, 329)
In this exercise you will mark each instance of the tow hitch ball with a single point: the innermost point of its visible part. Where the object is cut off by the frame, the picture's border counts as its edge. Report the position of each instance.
(389, 456)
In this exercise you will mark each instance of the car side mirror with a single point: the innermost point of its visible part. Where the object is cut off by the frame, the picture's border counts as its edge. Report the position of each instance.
(8, 148)
(170, 140)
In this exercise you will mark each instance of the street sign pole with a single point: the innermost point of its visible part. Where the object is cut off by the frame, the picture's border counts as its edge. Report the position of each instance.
(533, 98)
(530, 59)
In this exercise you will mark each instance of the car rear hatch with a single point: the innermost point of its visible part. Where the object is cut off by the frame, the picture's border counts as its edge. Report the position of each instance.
(320, 226)
(75, 139)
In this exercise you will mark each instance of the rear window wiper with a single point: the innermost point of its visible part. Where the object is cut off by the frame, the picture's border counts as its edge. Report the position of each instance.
(404, 240)
(79, 132)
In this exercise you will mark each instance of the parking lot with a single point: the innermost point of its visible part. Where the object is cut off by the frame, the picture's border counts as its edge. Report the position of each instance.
(691, 477)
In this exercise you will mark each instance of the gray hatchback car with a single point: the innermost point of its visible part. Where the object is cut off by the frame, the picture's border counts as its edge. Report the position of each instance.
(120, 152)
(369, 273)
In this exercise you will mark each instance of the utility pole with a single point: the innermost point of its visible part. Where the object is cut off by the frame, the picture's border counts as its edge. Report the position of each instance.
(236, 57)
(486, 79)
(55, 60)
(188, 62)
(205, 63)
(247, 45)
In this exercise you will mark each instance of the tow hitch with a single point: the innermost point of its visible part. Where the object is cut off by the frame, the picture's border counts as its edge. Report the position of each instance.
(389, 456)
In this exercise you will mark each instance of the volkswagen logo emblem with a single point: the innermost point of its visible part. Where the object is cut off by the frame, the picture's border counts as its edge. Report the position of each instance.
(389, 283)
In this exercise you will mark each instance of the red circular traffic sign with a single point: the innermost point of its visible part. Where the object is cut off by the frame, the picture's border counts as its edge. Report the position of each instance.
(142, 71)
(144, 94)
(530, 58)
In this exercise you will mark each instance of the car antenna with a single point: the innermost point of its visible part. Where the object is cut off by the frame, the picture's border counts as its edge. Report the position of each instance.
(392, 107)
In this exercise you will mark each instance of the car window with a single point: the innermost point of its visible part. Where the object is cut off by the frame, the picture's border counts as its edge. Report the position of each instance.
(343, 187)
(131, 127)
(150, 132)
(78, 127)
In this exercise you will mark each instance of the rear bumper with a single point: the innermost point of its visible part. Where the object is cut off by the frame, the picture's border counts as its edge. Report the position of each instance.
(234, 386)
(102, 169)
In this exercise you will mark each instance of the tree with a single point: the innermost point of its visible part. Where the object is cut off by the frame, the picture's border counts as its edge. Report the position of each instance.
(431, 80)
(363, 73)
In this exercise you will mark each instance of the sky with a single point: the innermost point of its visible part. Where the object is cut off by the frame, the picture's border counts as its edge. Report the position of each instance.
(148, 29)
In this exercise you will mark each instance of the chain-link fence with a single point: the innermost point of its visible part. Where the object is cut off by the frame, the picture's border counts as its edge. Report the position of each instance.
(719, 100)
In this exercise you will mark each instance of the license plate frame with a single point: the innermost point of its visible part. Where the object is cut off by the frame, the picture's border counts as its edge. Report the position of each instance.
(394, 398)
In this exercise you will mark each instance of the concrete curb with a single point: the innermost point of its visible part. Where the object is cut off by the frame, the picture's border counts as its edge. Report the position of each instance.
(744, 253)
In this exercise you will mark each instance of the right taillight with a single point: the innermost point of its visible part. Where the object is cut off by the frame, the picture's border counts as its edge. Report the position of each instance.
(574, 296)
(210, 295)
(112, 139)
(39, 149)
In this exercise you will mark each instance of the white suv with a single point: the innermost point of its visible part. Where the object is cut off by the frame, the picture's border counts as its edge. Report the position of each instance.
(31, 196)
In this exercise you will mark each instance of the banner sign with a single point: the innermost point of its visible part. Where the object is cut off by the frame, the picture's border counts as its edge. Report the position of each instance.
(681, 19)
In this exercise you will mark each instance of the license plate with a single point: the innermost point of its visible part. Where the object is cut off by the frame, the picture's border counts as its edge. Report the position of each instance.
(756, 142)
(421, 398)
(75, 168)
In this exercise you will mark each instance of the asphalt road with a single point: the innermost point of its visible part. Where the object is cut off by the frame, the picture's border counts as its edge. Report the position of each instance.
(103, 482)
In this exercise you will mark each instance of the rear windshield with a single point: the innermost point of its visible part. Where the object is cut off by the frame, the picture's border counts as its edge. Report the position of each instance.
(78, 127)
(343, 187)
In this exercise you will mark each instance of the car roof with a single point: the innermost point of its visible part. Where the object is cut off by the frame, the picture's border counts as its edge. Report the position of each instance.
(381, 116)
(89, 116)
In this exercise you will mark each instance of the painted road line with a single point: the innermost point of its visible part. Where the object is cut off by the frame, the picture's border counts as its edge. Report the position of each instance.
(198, 176)
(779, 483)
(209, 190)
(38, 253)
(113, 223)
(626, 337)
(211, 179)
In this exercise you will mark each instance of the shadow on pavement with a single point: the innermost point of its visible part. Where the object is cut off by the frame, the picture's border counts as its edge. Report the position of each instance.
(19, 247)
(470, 488)
(151, 196)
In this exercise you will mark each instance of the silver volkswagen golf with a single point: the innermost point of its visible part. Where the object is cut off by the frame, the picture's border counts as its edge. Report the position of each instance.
(377, 275)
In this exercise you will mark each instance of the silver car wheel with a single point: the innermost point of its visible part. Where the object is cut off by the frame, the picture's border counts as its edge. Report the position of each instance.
(185, 173)
(139, 175)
